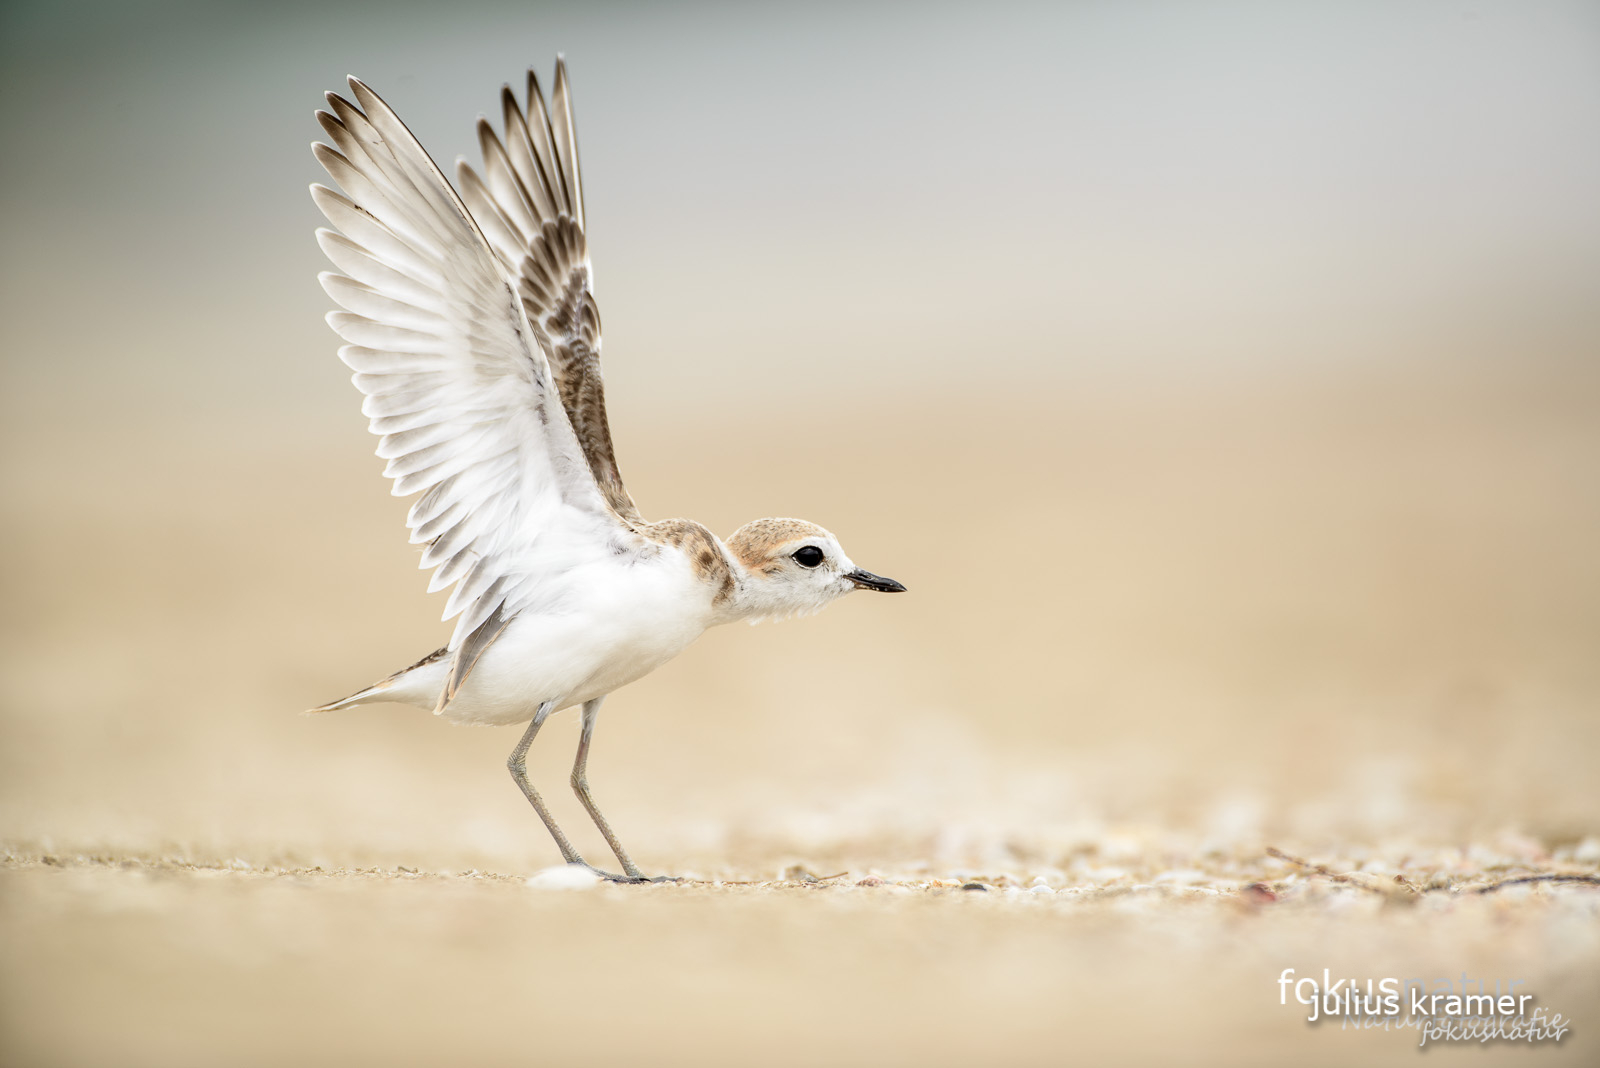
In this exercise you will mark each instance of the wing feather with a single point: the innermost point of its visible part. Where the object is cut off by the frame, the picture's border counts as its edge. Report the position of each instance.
(565, 134)
(503, 234)
(529, 202)
(364, 231)
(356, 262)
(456, 382)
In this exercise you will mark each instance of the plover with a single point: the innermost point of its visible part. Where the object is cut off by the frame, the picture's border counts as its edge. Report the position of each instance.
(474, 335)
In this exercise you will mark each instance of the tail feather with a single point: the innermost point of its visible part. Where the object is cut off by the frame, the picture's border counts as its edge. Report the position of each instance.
(371, 693)
(386, 689)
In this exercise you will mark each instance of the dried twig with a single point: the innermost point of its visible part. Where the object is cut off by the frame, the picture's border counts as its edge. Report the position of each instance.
(1400, 880)
(1592, 880)
(1328, 873)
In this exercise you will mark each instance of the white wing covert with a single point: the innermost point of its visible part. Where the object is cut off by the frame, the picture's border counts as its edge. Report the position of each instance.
(455, 381)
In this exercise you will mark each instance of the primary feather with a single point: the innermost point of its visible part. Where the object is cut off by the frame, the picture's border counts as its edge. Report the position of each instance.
(529, 203)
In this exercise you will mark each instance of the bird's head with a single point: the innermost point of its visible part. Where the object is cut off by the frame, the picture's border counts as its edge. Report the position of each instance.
(795, 568)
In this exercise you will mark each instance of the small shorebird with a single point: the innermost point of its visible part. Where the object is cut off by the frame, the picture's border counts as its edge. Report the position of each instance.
(474, 335)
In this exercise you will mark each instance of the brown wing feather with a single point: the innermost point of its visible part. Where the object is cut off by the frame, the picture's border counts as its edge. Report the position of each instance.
(529, 203)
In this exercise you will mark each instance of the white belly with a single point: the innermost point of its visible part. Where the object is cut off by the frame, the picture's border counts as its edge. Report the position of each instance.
(614, 623)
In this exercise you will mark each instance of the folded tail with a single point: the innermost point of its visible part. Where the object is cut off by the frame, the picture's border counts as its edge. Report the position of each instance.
(372, 693)
(415, 685)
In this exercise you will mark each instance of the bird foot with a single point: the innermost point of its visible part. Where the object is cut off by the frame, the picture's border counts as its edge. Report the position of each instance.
(641, 878)
(634, 878)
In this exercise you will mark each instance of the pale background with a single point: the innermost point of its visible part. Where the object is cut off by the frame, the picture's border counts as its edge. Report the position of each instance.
(1221, 379)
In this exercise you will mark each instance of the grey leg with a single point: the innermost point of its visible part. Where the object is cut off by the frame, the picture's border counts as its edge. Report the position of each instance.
(580, 785)
(517, 762)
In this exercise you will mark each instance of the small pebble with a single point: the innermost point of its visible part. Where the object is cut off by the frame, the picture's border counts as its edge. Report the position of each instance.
(974, 886)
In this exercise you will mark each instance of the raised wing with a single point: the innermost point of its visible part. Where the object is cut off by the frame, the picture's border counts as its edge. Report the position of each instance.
(455, 382)
(530, 206)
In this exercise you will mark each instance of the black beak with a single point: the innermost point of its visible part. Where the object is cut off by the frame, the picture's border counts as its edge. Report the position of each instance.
(868, 581)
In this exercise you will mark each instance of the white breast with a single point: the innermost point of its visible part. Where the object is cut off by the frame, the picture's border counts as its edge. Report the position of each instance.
(608, 623)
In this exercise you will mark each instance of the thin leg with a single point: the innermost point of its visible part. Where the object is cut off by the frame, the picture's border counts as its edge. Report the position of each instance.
(517, 762)
(580, 785)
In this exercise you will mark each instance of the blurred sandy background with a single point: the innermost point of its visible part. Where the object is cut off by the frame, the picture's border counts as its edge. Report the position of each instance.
(1221, 379)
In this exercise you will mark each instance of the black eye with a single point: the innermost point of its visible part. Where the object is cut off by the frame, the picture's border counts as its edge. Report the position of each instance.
(808, 556)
